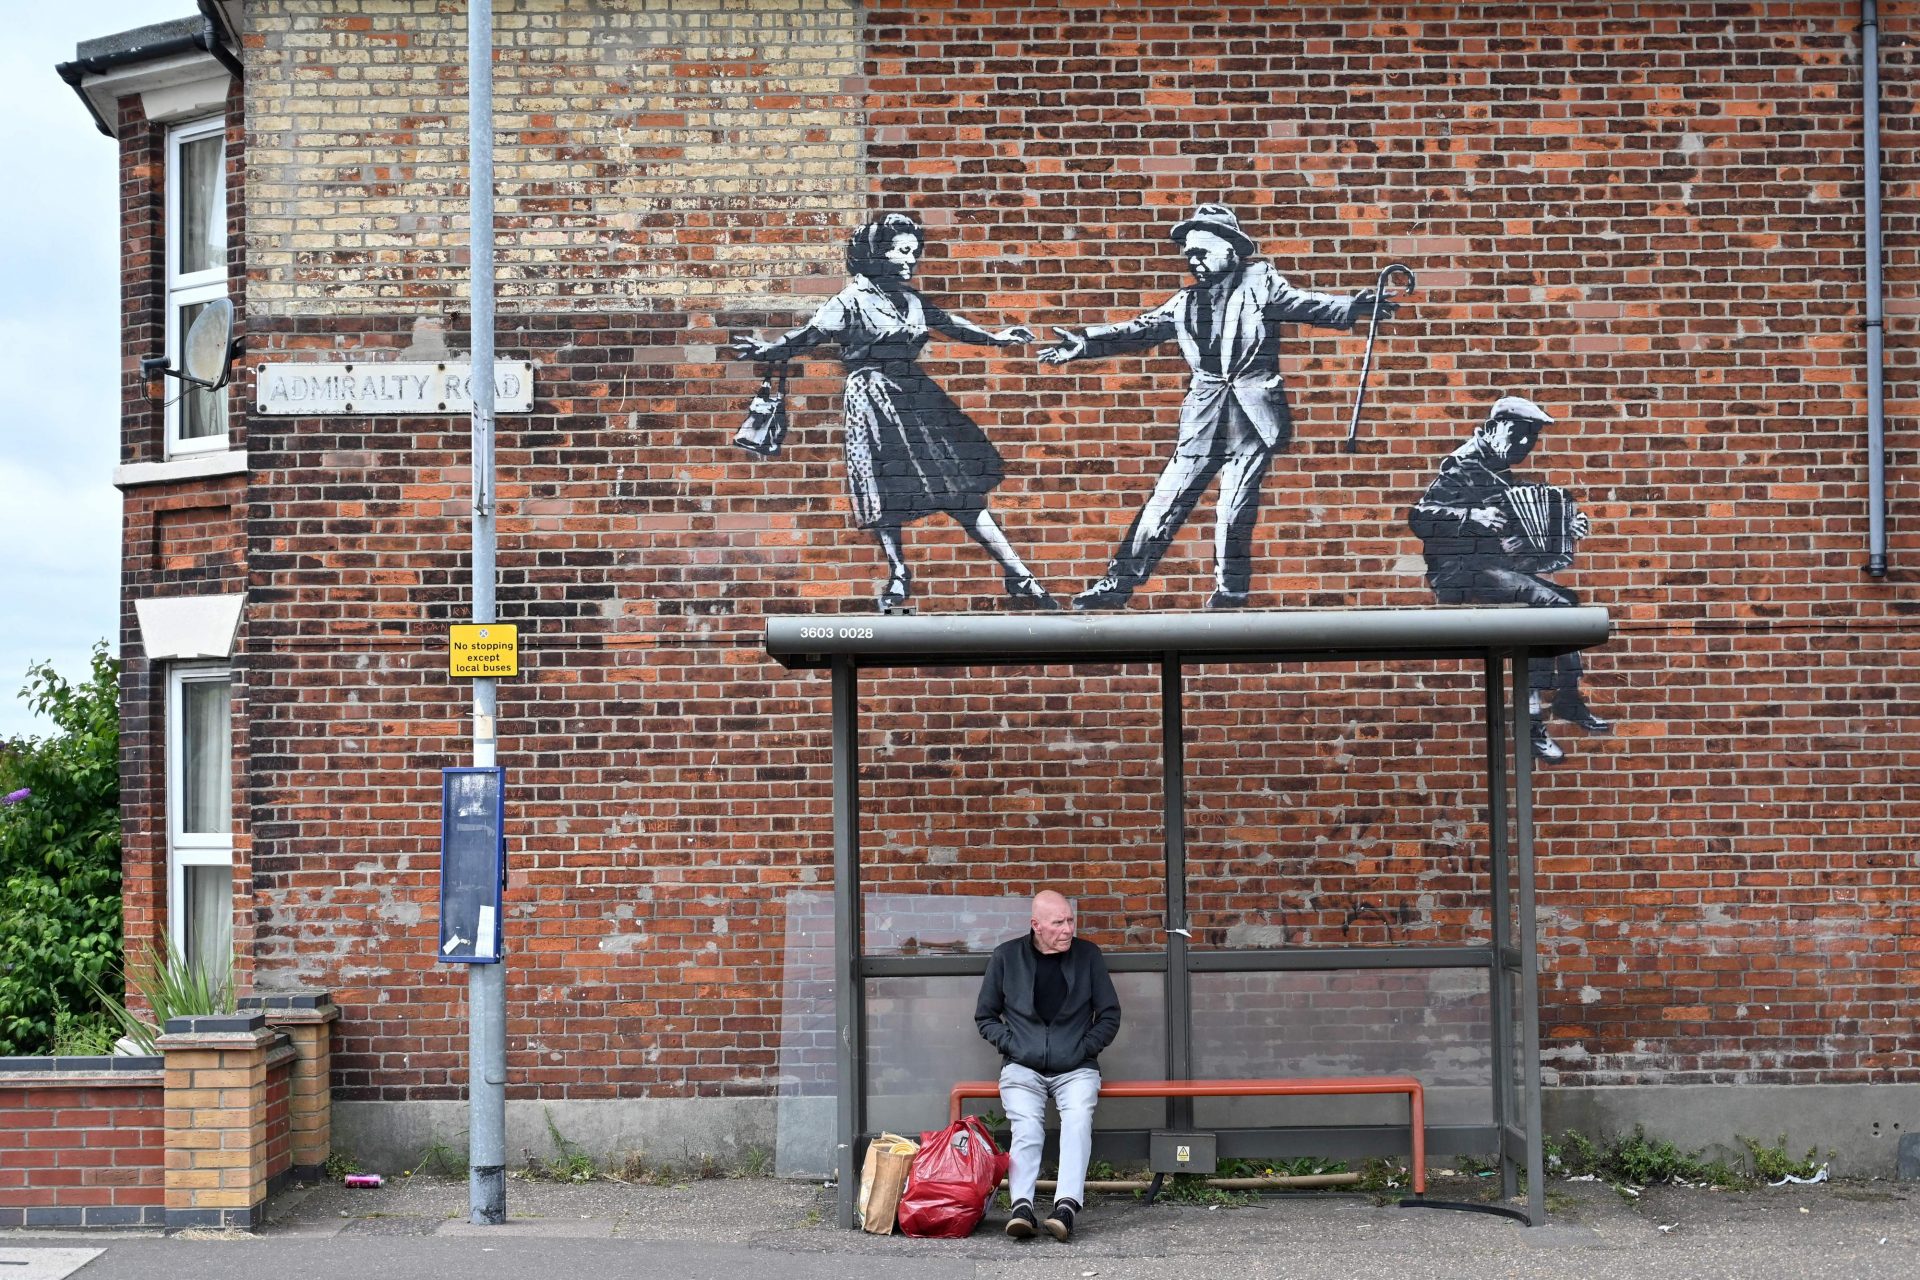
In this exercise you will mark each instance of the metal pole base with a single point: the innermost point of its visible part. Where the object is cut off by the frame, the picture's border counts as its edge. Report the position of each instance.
(487, 1196)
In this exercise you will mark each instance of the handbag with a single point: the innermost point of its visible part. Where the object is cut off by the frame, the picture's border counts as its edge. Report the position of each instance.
(766, 422)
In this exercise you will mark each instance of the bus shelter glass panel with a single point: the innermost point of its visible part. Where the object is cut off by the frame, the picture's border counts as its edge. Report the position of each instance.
(921, 1041)
(896, 924)
(1434, 1024)
(1337, 805)
(939, 924)
(1515, 992)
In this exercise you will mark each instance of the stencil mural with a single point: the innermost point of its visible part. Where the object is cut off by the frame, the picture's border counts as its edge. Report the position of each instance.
(1236, 413)
(1491, 538)
(910, 450)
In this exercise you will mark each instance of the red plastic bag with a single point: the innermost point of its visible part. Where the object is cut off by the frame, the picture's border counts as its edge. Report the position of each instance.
(952, 1177)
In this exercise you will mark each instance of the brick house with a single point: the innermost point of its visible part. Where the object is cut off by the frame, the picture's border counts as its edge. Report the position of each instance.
(1648, 220)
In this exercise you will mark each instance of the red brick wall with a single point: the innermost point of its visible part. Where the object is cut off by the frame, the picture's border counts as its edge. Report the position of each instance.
(180, 537)
(1647, 218)
(280, 1117)
(79, 1151)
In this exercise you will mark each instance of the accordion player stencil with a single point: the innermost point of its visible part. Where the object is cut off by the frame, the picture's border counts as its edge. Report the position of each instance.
(1492, 537)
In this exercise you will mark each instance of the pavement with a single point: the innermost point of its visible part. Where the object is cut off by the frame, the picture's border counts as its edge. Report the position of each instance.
(769, 1229)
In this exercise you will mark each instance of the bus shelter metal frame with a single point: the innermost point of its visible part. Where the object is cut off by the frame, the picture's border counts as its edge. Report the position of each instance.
(1503, 639)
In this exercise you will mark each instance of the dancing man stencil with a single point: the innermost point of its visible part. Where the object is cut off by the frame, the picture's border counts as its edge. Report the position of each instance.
(910, 450)
(1236, 414)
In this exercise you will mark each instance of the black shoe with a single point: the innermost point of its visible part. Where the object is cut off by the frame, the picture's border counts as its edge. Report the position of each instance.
(1104, 593)
(895, 592)
(1060, 1221)
(1021, 1225)
(1574, 710)
(1545, 749)
(1027, 593)
(1225, 599)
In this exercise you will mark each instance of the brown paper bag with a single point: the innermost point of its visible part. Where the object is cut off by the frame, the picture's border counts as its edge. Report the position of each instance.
(883, 1176)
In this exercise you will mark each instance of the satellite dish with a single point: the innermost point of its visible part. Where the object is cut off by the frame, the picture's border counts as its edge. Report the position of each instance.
(206, 352)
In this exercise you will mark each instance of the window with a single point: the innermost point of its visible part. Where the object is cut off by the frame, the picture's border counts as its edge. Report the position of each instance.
(196, 273)
(200, 818)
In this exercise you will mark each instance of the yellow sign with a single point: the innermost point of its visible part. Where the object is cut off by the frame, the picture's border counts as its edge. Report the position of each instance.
(492, 649)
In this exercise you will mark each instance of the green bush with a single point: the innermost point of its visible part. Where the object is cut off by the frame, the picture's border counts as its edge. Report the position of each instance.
(60, 862)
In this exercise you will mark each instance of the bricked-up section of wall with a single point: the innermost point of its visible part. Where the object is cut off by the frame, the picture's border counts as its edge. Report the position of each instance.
(81, 1149)
(1647, 218)
(650, 153)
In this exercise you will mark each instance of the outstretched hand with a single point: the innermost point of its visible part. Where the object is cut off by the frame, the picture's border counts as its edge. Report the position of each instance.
(747, 347)
(1018, 336)
(1070, 346)
(1367, 302)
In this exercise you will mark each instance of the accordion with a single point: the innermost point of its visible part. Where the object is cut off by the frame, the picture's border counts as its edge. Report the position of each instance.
(1543, 519)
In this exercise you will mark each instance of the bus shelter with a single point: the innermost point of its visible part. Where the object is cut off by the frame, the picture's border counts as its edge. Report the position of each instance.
(1501, 641)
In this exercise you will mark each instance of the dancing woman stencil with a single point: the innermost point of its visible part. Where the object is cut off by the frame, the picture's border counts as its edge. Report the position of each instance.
(910, 450)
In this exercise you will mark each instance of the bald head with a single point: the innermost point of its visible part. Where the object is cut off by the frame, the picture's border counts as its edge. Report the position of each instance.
(1052, 922)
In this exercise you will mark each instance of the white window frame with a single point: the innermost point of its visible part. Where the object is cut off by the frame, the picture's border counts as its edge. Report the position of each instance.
(197, 849)
(185, 289)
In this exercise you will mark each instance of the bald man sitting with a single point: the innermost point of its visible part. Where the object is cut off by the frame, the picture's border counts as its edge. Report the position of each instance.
(1049, 1007)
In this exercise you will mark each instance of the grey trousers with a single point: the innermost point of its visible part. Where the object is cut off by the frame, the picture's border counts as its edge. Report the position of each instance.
(1229, 447)
(1024, 1093)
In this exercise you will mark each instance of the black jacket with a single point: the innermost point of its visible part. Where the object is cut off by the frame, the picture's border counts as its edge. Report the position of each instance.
(1086, 1023)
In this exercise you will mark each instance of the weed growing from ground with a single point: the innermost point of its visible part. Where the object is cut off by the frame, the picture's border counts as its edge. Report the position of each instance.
(1771, 1164)
(570, 1163)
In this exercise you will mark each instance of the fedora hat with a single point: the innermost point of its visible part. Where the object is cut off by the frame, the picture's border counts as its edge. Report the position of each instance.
(1219, 220)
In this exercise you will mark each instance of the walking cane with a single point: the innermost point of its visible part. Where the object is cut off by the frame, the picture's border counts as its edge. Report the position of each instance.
(1373, 331)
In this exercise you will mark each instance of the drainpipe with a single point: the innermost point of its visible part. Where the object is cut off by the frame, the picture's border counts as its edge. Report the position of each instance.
(1876, 340)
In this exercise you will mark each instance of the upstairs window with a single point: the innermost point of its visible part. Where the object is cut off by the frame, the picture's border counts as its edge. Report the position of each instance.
(196, 273)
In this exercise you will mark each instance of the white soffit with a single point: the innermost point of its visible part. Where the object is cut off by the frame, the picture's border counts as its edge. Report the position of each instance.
(177, 88)
(177, 627)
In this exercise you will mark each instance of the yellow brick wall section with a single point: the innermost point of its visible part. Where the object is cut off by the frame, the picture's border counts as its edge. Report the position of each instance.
(629, 136)
(216, 1128)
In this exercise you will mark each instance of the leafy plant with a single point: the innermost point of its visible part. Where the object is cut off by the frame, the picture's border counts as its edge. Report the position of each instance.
(438, 1158)
(1192, 1188)
(76, 1035)
(756, 1163)
(1770, 1164)
(339, 1164)
(60, 858)
(1381, 1178)
(1635, 1159)
(570, 1163)
(170, 988)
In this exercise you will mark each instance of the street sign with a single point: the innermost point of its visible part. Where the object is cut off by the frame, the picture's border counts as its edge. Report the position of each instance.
(383, 387)
(484, 649)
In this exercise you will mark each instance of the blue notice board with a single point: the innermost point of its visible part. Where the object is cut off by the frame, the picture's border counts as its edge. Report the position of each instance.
(473, 863)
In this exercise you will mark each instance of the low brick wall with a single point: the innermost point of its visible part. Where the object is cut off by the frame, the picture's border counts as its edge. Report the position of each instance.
(235, 1107)
(82, 1142)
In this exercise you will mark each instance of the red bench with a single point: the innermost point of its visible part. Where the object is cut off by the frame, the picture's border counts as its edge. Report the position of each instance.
(1328, 1086)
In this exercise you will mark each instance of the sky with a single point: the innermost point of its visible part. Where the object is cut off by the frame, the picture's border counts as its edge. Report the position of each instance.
(59, 351)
